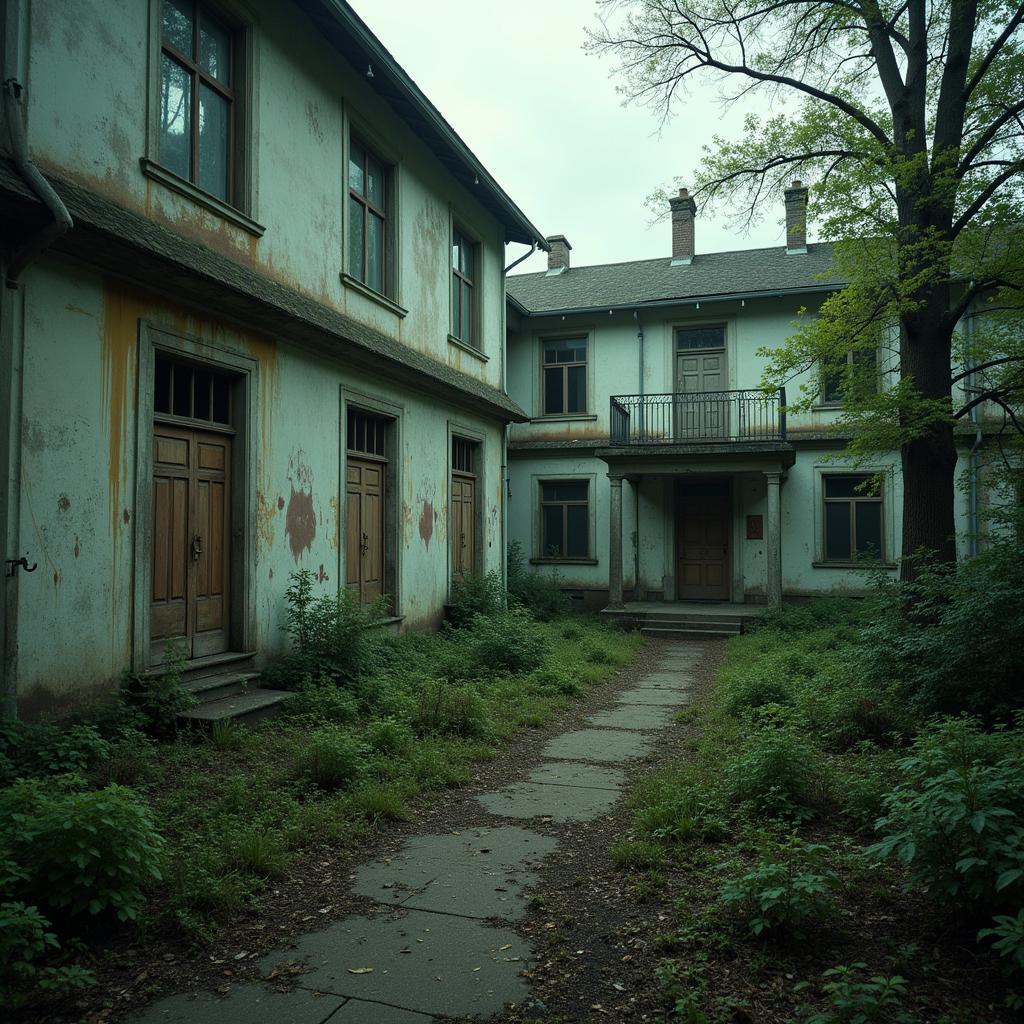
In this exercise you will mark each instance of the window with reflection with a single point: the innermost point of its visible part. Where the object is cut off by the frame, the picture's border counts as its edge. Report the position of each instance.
(564, 519)
(853, 518)
(564, 376)
(368, 257)
(858, 369)
(463, 274)
(197, 97)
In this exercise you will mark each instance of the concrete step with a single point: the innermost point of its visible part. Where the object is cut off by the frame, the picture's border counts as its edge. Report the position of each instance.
(245, 708)
(690, 617)
(211, 665)
(687, 633)
(720, 624)
(224, 684)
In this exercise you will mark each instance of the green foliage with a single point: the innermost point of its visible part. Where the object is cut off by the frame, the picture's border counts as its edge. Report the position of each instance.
(508, 642)
(540, 595)
(376, 800)
(321, 703)
(82, 851)
(674, 806)
(158, 699)
(956, 815)
(258, 852)
(475, 595)
(330, 759)
(787, 890)
(857, 999)
(447, 710)
(33, 750)
(631, 854)
(1008, 933)
(749, 693)
(389, 737)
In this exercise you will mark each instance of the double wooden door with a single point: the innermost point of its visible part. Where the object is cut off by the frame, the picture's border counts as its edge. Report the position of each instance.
(364, 528)
(702, 408)
(463, 526)
(702, 548)
(189, 607)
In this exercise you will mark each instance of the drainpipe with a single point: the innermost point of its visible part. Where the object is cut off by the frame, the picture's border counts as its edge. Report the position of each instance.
(973, 459)
(61, 223)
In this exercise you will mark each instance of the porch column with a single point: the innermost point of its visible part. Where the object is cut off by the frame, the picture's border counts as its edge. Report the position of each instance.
(615, 543)
(773, 545)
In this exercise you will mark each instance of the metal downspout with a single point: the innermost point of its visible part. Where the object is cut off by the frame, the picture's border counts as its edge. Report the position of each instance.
(61, 223)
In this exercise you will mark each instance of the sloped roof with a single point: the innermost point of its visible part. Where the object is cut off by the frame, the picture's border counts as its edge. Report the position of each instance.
(742, 272)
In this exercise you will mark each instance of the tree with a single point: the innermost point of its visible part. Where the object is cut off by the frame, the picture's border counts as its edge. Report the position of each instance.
(908, 117)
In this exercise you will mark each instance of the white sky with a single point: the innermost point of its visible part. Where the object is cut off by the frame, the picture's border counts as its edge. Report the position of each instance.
(544, 118)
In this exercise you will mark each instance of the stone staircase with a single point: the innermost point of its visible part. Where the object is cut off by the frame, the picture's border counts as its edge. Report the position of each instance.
(226, 686)
(681, 622)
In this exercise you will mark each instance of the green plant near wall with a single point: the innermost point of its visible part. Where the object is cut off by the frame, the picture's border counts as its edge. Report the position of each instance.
(856, 998)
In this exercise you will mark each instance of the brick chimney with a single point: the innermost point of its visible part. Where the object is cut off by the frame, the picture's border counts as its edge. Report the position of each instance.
(796, 218)
(558, 258)
(684, 209)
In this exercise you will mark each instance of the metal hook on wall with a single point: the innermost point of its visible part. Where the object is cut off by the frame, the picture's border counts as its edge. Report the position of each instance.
(14, 564)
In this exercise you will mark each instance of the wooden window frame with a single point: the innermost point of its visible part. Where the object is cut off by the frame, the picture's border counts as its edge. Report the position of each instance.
(565, 505)
(677, 328)
(363, 199)
(472, 322)
(565, 367)
(379, 450)
(852, 355)
(192, 67)
(875, 499)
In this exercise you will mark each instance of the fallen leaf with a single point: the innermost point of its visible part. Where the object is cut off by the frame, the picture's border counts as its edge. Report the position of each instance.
(360, 970)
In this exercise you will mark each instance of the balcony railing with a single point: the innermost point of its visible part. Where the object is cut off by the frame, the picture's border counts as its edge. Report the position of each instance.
(698, 417)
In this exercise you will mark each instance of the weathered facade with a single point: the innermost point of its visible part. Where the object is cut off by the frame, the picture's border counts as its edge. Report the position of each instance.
(653, 468)
(272, 338)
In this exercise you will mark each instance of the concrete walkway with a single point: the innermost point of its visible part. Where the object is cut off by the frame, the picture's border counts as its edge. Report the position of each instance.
(444, 952)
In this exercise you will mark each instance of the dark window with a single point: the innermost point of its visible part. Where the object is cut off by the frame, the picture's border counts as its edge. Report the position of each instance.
(858, 370)
(196, 97)
(191, 392)
(853, 518)
(367, 434)
(462, 455)
(564, 515)
(368, 244)
(564, 373)
(706, 336)
(463, 273)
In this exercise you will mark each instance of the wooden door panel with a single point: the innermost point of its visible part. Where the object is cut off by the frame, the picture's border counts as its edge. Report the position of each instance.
(702, 543)
(353, 534)
(169, 619)
(211, 522)
(463, 529)
(364, 529)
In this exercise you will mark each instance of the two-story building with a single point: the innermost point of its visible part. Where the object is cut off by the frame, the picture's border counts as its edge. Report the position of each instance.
(253, 321)
(654, 468)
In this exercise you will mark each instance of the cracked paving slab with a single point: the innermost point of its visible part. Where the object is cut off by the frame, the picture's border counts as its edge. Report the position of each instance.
(426, 963)
(641, 717)
(480, 873)
(654, 697)
(602, 745)
(244, 1004)
(358, 1011)
(665, 681)
(587, 776)
(559, 803)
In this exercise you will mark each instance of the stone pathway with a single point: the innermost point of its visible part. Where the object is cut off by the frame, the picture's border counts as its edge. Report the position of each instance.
(444, 952)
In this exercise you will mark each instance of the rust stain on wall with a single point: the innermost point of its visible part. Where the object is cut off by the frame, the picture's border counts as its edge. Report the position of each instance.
(427, 518)
(321, 575)
(300, 519)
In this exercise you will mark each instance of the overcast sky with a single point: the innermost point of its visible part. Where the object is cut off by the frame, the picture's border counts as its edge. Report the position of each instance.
(512, 79)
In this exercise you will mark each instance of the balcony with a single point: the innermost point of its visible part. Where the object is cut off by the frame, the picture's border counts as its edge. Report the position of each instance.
(699, 418)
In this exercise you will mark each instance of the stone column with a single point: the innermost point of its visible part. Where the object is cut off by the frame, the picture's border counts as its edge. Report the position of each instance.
(773, 538)
(615, 544)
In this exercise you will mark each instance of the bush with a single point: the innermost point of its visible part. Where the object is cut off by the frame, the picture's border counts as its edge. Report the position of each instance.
(476, 595)
(675, 806)
(322, 703)
(787, 890)
(159, 699)
(330, 759)
(855, 999)
(444, 709)
(541, 596)
(777, 774)
(82, 851)
(1008, 934)
(34, 750)
(510, 642)
(749, 692)
(956, 817)
(386, 736)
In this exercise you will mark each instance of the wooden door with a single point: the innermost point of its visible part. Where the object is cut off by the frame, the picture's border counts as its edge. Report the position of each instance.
(364, 528)
(190, 568)
(706, 414)
(702, 548)
(463, 529)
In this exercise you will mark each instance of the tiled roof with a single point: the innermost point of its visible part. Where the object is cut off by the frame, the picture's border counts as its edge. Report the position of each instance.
(611, 285)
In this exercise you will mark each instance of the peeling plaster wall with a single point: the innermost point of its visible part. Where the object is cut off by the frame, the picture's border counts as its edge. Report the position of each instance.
(79, 463)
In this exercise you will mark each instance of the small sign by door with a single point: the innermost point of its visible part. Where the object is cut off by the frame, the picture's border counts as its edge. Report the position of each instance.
(755, 528)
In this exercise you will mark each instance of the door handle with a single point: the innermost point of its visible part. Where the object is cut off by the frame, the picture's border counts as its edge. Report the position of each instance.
(365, 545)
(197, 547)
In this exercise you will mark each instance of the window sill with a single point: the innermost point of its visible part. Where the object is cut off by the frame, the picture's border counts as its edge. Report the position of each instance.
(585, 417)
(563, 561)
(854, 565)
(827, 407)
(374, 296)
(458, 343)
(201, 198)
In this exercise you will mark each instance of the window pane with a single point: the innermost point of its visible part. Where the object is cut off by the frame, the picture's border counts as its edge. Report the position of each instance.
(466, 258)
(355, 240)
(177, 25)
(175, 117)
(356, 159)
(456, 307)
(214, 142)
(551, 532)
(868, 525)
(577, 388)
(201, 409)
(553, 390)
(456, 245)
(467, 314)
(375, 252)
(831, 387)
(565, 350)
(375, 182)
(215, 51)
(564, 490)
(221, 400)
(576, 542)
(837, 531)
(182, 391)
(162, 386)
(846, 487)
(700, 337)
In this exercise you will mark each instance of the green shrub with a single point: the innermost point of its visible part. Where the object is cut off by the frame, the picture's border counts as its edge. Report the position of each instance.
(749, 692)
(631, 854)
(680, 816)
(130, 762)
(956, 816)
(787, 890)
(444, 709)
(777, 774)
(857, 999)
(322, 703)
(34, 750)
(541, 596)
(386, 736)
(330, 759)
(258, 852)
(82, 851)
(510, 642)
(476, 595)
(551, 679)
(158, 699)
(1008, 933)
(375, 800)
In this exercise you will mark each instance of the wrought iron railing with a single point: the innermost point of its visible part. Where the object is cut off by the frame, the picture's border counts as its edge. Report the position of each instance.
(749, 415)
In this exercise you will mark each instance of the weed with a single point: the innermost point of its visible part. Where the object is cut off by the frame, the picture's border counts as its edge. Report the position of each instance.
(375, 800)
(330, 760)
(633, 854)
